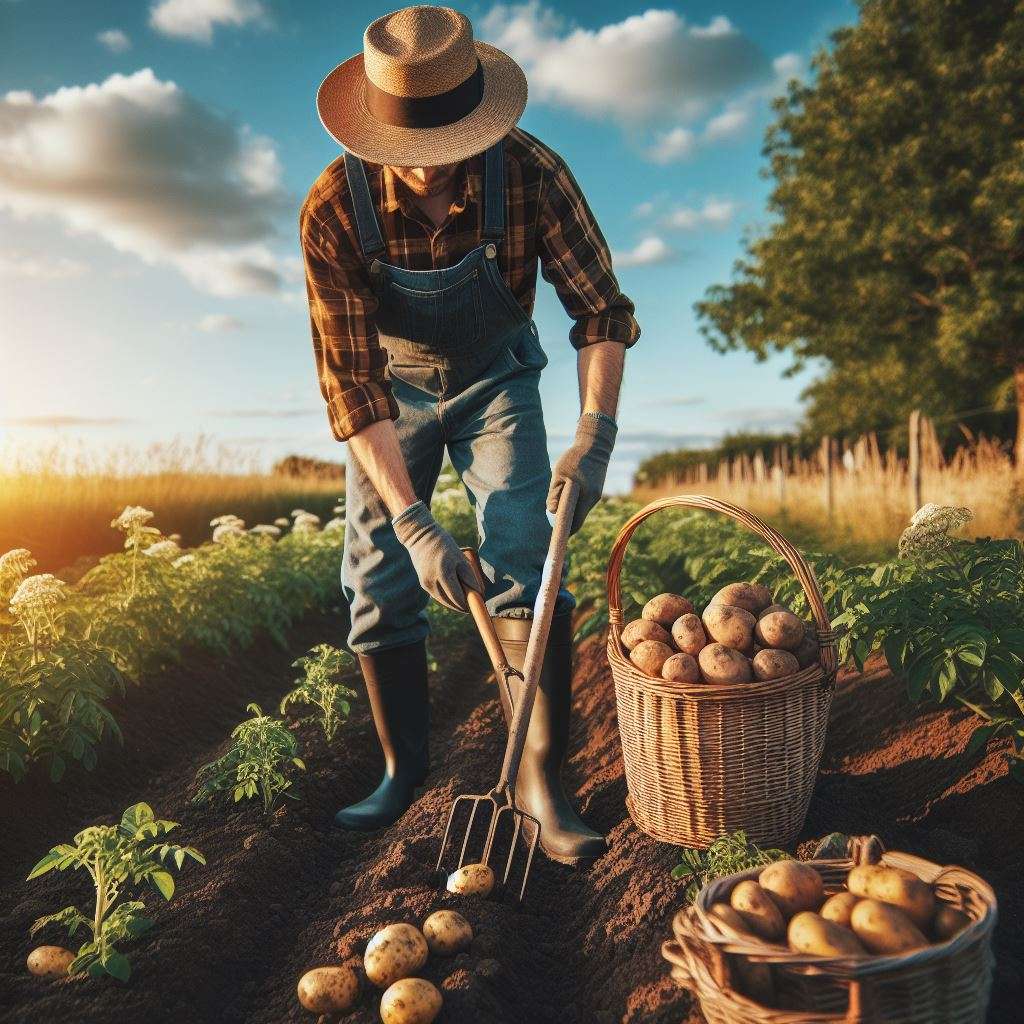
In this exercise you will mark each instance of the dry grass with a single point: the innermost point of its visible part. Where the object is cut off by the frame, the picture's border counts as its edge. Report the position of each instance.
(59, 503)
(871, 499)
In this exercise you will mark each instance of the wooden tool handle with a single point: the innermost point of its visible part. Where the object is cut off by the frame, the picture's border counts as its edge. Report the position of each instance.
(482, 618)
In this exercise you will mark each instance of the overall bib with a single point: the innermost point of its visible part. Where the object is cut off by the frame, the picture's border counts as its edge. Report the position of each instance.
(464, 363)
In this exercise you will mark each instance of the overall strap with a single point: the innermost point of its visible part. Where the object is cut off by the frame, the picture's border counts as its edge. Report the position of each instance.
(367, 225)
(494, 193)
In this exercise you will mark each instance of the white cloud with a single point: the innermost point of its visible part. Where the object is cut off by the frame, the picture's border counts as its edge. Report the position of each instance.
(644, 209)
(115, 40)
(729, 123)
(675, 144)
(14, 264)
(646, 66)
(215, 323)
(196, 19)
(152, 171)
(647, 251)
(712, 213)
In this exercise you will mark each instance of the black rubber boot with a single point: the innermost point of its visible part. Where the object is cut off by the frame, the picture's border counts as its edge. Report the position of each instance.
(396, 683)
(564, 835)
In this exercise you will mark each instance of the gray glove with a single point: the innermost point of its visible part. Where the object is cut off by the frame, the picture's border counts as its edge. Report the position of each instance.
(443, 570)
(586, 462)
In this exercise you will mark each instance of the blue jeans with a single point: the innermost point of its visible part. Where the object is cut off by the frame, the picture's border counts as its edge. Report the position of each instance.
(496, 440)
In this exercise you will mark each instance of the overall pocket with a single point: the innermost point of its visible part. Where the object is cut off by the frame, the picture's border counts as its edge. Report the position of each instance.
(441, 324)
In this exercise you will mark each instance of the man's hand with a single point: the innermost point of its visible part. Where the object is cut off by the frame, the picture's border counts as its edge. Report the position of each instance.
(443, 570)
(586, 462)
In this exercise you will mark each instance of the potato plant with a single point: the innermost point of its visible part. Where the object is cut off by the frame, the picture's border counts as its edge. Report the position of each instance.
(727, 855)
(118, 858)
(258, 763)
(320, 686)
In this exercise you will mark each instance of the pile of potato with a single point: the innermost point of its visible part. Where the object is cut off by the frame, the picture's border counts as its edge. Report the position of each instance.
(393, 957)
(742, 636)
(883, 910)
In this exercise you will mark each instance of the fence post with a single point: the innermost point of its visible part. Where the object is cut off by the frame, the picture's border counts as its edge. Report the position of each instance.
(914, 459)
(826, 465)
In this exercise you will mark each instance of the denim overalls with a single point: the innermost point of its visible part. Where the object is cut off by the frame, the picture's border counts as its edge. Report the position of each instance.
(464, 362)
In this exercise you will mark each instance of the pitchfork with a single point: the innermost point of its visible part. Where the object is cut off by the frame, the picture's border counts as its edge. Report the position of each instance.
(496, 811)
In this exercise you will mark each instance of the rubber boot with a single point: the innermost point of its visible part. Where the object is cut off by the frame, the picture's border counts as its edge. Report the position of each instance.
(396, 684)
(564, 835)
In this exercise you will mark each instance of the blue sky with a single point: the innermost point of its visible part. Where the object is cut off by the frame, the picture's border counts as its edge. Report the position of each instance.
(153, 156)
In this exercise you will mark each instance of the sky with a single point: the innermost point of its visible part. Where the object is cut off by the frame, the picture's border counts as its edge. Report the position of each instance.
(153, 157)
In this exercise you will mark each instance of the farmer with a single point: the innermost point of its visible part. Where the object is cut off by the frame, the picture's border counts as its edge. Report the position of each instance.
(421, 244)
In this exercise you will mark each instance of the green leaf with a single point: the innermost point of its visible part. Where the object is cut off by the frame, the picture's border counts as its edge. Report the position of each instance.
(947, 678)
(164, 882)
(979, 740)
(117, 966)
(179, 857)
(56, 768)
(48, 863)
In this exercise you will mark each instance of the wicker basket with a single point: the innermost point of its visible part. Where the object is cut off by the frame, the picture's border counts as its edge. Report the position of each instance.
(705, 759)
(946, 983)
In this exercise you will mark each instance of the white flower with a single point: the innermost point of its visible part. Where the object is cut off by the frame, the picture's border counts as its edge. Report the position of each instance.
(187, 559)
(306, 526)
(307, 517)
(339, 509)
(16, 562)
(283, 522)
(162, 549)
(337, 523)
(228, 520)
(132, 517)
(38, 592)
(227, 532)
(930, 528)
(299, 512)
(265, 530)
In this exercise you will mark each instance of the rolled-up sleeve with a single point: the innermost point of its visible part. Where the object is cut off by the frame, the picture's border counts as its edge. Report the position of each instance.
(350, 362)
(575, 259)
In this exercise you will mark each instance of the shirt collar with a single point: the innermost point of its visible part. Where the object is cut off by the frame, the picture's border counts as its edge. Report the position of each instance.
(395, 196)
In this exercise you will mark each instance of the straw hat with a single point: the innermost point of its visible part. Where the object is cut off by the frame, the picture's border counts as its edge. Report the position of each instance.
(423, 92)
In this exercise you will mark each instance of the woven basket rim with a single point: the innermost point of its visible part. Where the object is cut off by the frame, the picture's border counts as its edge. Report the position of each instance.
(696, 921)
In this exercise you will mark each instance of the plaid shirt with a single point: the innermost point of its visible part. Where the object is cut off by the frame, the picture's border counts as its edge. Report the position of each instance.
(548, 220)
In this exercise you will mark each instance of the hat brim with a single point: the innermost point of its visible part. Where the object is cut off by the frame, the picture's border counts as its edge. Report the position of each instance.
(341, 103)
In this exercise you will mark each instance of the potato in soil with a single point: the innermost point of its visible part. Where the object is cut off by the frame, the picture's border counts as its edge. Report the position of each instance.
(758, 910)
(731, 626)
(665, 609)
(752, 597)
(772, 664)
(643, 629)
(688, 634)
(681, 668)
(447, 932)
(811, 933)
(410, 1001)
(721, 664)
(329, 989)
(471, 880)
(49, 961)
(397, 951)
(793, 886)
(781, 630)
(883, 928)
(649, 656)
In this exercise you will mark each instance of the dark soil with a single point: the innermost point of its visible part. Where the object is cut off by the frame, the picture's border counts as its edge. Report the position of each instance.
(279, 898)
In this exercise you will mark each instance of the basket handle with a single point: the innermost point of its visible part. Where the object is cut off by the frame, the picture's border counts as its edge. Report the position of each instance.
(801, 569)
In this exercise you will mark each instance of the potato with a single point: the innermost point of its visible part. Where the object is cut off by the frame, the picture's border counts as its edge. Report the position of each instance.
(807, 652)
(772, 664)
(731, 626)
(642, 629)
(410, 1001)
(758, 910)
(948, 921)
(688, 634)
(883, 928)
(329, 989)
(649, 656)
(773, 608)
(728, 916)
(751, 597)
(753, 979)
(811, 933)
(471, 880)
(397, 951)
(793, 886)
(49, 961)
(721, 664)
(857, 878)
(780, 629)
(839, 907)
(681, 668)
(447, 932)
(913, 896)
(666, 608)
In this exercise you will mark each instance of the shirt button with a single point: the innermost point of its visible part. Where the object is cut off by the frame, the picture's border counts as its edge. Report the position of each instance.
(490, 250)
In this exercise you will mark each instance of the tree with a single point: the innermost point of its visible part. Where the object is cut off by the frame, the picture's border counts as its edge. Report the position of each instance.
(894, 249)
